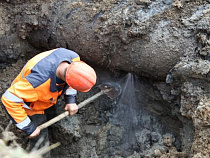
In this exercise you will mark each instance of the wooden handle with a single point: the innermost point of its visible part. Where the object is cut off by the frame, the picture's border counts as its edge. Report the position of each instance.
(54, 120)
(66, 113)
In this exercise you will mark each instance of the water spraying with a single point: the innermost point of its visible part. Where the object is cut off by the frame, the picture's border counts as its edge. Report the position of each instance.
(138, 119)
(125, 113)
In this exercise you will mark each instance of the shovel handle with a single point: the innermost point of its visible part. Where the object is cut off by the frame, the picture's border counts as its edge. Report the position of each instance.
(66, 113)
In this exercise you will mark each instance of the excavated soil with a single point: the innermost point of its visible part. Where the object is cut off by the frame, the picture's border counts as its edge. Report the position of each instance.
(157, 50)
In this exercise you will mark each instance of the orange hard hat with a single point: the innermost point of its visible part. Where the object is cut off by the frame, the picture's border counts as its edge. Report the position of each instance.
(80, 76)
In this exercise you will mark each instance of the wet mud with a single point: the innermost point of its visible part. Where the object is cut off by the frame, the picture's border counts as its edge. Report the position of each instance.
(157, 50)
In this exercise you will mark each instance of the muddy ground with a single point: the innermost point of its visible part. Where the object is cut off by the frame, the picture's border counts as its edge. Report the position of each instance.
(160, 48)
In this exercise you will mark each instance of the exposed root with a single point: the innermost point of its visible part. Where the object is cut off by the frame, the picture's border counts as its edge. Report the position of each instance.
(9, 148)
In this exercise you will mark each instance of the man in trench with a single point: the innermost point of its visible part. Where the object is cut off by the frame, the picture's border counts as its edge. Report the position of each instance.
(40, 83)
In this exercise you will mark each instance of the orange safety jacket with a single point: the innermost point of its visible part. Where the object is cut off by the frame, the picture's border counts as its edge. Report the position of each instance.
(35, 88)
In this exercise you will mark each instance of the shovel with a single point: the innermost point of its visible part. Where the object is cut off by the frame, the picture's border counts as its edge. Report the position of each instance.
(112, 90)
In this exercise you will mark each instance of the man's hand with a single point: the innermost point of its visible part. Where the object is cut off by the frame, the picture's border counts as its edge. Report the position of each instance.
(35, 133)
(72, 108)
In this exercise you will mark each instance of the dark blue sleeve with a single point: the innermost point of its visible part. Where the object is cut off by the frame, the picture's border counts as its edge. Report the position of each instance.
(69, 99)
(29, 129)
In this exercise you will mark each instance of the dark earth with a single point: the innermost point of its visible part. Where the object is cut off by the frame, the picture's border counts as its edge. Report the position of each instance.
(158, 51)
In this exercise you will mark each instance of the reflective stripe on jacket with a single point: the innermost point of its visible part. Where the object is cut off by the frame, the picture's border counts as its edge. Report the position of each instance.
(35, 89)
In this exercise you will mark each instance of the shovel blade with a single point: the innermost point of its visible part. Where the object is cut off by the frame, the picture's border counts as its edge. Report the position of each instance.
(115, 89)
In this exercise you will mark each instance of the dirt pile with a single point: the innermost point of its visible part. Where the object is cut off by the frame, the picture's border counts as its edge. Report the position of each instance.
(191, 76)
(148, 37)
(166, 43)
